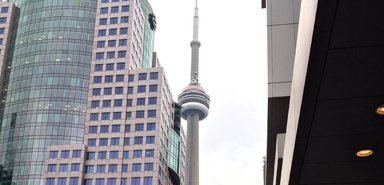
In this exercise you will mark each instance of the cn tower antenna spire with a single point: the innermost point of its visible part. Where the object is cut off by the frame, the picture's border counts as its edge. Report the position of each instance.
(195, 45)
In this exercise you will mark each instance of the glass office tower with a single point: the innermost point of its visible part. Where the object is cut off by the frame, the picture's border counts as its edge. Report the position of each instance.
(44, 83)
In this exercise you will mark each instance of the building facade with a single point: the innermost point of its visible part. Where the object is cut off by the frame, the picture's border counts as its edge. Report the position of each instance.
(75, 77)
(326, 107)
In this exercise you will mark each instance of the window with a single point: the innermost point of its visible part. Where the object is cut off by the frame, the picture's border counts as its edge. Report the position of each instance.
(111, 181)
(113, 20)
(124, 168)
(94, 116)
(125, 8)
(123, 31)
(151, 113)
(148, 166)
(3, 20)
(109, 67)
(103, 141)
(76, 154)
(141, 89)
(104, 1)
(126, 141)
(50, 181)
(128, 115)
(53, 154)
(112, 31)
(152, 88)
(135, 181)
(74, 181)
(131, 78)
(127, 128)
(99, 181)
(104, 128)
(91, 142)
(142, 76)
(103, 21)
(116, 115)
(151, 126)
(119, 90)
(137, 153)
(110, 54)
(89, 169)
(139, 127)
(111, 43)
(96, 91)
(113, 154)
(153, 76)
(114, 141)
(119, 78)
(129, 102)
(87, 181)
(114, 9)
(1, 41)
(4, 9)
(149, 152)
(100, 169)
(108, 79)
(115, 128)
(150, 140)
(140, 114)
(122, 54)
(152, 100)
(98, 67)
(97, 79)
(130, 90)
(147, 180)
(104, 10)
(138, 140)
(120, 66)
(124, 19)
(101, 33)
(2, 30)
(95, 103)
(62, 181)
(108, 91)
(102, 155)
(140, 101)
(115, 0)
(91, 155)
(100, 44)
(124, 181)
(136, 167)
(100, 56)
(51, 168)
(112, 168)
(92, 129)
(122, 42)
(105, 116)
(125, 154)
(75, 167)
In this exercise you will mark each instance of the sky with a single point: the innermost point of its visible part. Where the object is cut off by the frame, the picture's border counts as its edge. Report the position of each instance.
(233, 71)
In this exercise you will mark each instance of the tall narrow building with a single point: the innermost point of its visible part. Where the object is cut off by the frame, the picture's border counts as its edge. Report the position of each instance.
(195, 104)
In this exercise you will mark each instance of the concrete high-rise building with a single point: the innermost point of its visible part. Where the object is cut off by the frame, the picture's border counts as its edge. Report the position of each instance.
(195, 105)
(325, 107)
(84, 99)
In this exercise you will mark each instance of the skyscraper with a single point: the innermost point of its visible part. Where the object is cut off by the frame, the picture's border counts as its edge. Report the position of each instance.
(84, 99)
(45, 75)
(195, 104)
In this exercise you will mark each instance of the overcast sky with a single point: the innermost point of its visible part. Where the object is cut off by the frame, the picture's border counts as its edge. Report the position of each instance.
(233, 70)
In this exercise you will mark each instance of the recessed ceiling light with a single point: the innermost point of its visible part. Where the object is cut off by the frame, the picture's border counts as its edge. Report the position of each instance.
(380, 110)
(364, 153)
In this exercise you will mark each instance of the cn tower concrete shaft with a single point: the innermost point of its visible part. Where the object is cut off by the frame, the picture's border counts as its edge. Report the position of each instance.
(192, 171)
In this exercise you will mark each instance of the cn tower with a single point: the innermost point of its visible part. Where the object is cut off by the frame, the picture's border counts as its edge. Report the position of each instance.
(195, 105)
